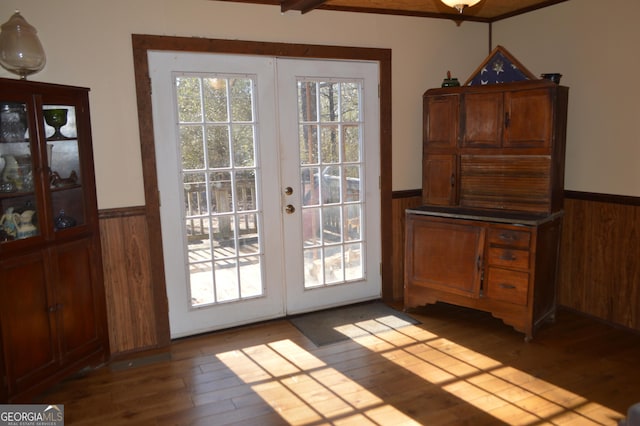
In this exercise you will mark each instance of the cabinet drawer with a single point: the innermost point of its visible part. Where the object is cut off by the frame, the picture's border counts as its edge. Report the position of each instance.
(509, 238)
(508, 286)
(508, 257)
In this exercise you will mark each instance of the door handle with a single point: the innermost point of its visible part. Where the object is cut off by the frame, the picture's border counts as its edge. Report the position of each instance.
(289, 209)
(288, 190)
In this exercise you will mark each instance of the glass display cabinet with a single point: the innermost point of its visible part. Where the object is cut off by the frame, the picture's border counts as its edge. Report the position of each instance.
(52, 303)
(40, 163)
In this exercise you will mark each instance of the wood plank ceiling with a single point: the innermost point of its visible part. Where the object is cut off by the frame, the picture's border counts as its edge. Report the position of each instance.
(485, 11)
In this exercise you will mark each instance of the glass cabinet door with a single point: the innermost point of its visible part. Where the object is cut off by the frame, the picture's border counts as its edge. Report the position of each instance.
(63, 165)
(18, 200)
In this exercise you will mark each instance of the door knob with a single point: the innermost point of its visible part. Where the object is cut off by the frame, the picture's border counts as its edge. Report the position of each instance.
(289, 209)
(288, 190)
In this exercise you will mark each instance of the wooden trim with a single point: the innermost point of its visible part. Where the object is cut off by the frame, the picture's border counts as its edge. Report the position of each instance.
(386, 187)
(603, 198)
(121, 212)
(303, 6)
(152, 197)
(526, 10)
(575, 195)
(406, 193)
(143, 43)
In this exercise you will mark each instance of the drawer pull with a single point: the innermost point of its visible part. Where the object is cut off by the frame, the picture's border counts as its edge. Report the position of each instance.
(507, 256)
(507, 286)
(508, 236)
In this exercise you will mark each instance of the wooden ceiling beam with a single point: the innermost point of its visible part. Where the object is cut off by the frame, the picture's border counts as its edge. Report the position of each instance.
(303, 6)
(487, 11)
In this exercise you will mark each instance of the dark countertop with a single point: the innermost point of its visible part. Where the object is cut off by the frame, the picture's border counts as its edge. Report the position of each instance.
(513, 218)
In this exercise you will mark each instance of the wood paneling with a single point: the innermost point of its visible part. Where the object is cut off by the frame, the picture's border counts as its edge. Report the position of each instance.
(401, 201)
(127, 275)
(600, 252)
(599, 269)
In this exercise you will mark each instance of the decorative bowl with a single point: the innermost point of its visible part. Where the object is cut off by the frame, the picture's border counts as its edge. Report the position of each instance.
(555, 77)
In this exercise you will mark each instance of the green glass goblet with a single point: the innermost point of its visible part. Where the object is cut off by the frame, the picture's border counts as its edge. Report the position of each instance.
(56, 118)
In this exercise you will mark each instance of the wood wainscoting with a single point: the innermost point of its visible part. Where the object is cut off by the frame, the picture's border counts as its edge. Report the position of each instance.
(599, 267)
(131, 303)
(600, 257)
(401, 200)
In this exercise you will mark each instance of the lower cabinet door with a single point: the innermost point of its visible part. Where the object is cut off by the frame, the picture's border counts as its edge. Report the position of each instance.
(76, 286)
(27, 318)
(444, 255)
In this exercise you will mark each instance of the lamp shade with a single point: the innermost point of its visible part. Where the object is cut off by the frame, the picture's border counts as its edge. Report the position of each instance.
(20, 48)
(460, 4)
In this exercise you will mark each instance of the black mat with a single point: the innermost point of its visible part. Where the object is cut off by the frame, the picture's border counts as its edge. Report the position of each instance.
(335, 325)
(139, 361)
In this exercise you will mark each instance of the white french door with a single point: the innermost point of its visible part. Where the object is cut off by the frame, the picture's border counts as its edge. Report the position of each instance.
(329, 131)
(268, 179)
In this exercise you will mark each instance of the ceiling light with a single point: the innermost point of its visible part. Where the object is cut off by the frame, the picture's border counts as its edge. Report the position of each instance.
(460, 4)
(20, 48)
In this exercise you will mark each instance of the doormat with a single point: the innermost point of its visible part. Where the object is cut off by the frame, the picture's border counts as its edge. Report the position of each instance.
(349, 322)
(139, 361)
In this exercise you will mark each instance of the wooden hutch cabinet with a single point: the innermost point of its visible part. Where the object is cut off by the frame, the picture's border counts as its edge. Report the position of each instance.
(52, 300)
(488, 233)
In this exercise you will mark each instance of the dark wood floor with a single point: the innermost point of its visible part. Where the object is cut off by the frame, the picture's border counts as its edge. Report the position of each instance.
(458, 367)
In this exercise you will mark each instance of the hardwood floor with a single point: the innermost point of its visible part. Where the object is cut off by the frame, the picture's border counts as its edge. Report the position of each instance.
(458, 367)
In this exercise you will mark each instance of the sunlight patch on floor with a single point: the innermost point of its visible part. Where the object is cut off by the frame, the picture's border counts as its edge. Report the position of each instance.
(303, 389)
(506, 393)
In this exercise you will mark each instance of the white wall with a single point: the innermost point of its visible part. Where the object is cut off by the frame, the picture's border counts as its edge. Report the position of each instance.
(594, 44)
(88, 43)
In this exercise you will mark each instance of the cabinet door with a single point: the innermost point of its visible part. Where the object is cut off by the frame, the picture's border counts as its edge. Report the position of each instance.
(76, 294)
(483, 118)
(440, 121)
(439, 177)
(444, 255)
(27, 320)
(66, 139)
(528, 119)
(21, 195)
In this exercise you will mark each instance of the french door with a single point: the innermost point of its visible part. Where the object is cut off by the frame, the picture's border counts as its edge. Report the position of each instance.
(329, 131)
(268, 178)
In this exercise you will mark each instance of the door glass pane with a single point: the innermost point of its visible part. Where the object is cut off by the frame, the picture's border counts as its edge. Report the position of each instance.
(222, 218)
(18, 203)
(331, 181)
